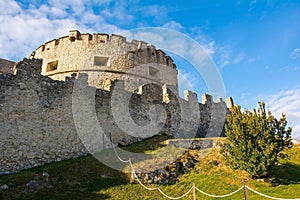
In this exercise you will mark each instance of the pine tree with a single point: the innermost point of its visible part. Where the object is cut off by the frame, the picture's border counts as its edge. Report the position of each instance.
(255, 140)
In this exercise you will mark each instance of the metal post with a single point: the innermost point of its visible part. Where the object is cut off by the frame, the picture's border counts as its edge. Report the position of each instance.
(246, 192)
(194, 192)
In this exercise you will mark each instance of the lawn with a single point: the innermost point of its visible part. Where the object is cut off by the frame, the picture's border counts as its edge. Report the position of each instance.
(87, 178)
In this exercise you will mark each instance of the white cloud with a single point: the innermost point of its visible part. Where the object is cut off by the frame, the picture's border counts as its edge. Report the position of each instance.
(158, 12)
(24, 28)
(287, 102)
(9, 8)
(118, 11)
(252, 5)
(173, 25)
(238, 58)
(295, 53)
(210, 48)
(226, 56)
(186, 81)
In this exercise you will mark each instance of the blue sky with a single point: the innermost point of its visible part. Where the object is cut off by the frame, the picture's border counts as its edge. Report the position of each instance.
(254, 44)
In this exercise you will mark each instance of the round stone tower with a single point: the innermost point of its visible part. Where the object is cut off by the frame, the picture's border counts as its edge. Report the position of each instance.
(106, 58)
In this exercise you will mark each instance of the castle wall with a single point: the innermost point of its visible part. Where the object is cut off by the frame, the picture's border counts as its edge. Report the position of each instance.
(36, 125)
(44, 120)
(135, 62)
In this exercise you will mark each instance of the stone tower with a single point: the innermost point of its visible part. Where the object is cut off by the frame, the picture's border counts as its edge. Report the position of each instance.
(106, 58)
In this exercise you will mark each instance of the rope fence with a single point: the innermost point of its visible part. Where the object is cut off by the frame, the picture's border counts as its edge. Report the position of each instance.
(193, 187)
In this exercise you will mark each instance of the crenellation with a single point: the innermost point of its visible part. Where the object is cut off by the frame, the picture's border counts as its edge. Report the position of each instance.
(230, 103)
(100, 52)
(169, 61)
(190, 96)
(136, 42)
(207, 99)
(142, 45)
(100, 37)
(109, 74)
(74, 35)
(160, 56)
(117, 38)
(49, 131)
(220, 100)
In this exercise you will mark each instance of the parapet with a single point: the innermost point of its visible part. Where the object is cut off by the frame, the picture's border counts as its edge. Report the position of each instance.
(230, 103)
(87, 40)
(190, 96)
(207, 99)
(74, 35)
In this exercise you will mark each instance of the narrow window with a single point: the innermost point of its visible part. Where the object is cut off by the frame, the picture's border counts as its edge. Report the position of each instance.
(52, 66)
(100, 61)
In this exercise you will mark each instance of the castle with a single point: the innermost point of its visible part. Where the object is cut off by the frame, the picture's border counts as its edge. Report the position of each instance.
(81, 81)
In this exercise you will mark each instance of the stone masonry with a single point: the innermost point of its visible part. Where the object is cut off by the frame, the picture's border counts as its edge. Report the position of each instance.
(37, 116)
(77, 91)
(106, 58)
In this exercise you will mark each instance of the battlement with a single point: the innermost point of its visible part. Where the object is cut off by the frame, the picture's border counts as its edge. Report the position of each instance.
(49, 110)
(100, 52)
(87, 39)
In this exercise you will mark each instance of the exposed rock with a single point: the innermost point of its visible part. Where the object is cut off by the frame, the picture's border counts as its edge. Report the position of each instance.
(39, 182)
(4, 187)
(170, 173)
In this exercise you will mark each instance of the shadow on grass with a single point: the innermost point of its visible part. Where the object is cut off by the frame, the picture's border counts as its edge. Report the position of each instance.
(149, 144)
(79, 178)
(286, 174)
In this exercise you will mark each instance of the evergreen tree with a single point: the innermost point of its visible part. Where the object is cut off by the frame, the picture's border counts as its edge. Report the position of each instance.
(255, 140)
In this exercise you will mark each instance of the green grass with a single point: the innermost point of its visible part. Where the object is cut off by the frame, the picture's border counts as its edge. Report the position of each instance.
(82, 178)
(154, 143)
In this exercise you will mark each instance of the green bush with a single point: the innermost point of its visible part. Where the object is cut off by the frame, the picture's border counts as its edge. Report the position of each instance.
(255, 140)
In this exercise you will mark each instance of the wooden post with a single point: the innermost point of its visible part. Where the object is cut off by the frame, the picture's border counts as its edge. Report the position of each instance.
(131, 174)
(158, 194)
(194, 192)
(246, 192)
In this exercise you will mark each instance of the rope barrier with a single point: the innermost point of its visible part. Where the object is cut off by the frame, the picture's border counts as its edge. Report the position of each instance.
(193, 187)
(175, 197)
(140, 182)
(124, 161)
(267, 195)
(219, 196)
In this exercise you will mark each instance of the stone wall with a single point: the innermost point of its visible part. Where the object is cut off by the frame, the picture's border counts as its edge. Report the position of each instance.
(44, 120)
(36, 124)
(106, 58)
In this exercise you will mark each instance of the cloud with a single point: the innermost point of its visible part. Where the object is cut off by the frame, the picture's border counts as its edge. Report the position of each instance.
(119, 11)
(295, 53)
(173, 25)
(287, 102)
(25, 27)
(252, 5)
(225, 56)
(158, 12)
(186, 81)
(238, 58)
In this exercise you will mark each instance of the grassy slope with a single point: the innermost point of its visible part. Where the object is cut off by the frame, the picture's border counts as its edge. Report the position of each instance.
(81, 178)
